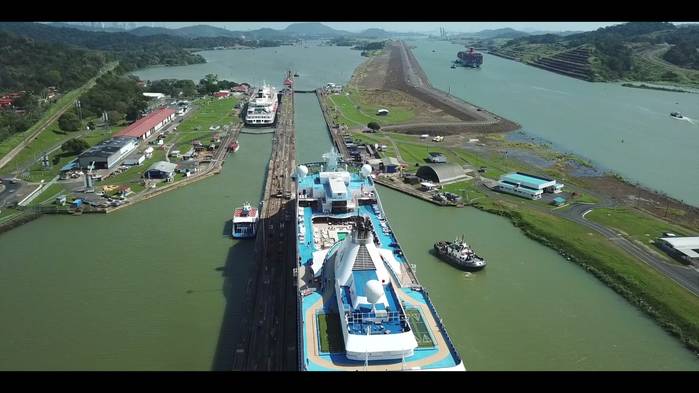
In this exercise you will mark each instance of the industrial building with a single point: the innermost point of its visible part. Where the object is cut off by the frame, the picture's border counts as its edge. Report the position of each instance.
(442, 173)
(391, 165)
(685, 249)
(135, 159)
(528, 186)
(146, 126)
(106, 154)
(161, 170)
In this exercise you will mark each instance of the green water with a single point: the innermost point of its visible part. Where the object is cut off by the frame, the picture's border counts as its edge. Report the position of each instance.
(142, 288)
(110, 292)
(530, 309)
(312, 138)
(590, 119)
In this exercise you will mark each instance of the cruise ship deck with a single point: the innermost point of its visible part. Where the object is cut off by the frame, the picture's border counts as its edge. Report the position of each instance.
(319, 236)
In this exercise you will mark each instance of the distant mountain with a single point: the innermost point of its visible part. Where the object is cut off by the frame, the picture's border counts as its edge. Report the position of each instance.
(313, 29)
(505, 32)
(145, 31)
(560, 33)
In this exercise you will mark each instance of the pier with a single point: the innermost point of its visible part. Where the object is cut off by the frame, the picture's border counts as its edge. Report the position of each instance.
(268, 340)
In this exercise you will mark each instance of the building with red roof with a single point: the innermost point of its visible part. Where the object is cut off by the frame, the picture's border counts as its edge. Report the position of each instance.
(222, 94)
(146, 126)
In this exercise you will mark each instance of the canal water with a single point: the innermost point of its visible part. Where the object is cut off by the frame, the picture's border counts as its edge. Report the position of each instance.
(148, 287)
(316, 66)
(590, 119)
(159, 286)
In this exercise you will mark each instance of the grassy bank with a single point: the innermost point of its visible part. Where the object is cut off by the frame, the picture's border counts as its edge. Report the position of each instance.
(637, 225)
(209, 113)
(673, 307)
(355, 110)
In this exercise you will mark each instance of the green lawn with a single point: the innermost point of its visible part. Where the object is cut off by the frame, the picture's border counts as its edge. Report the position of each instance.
(330, 334)
(638, 225)
(48, 194)
(349, 115)
(422, 334)
(209, 112)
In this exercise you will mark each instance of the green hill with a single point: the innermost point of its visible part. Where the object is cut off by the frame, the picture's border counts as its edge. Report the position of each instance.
(637, 51)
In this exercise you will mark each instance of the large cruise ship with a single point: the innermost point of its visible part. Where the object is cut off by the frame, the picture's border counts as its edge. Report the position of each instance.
(262, 107)
(361, 305)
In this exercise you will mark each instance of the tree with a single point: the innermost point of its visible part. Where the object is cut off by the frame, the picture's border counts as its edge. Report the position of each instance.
(115, 117)
(69, 122)
(374, 126)
(75, 146)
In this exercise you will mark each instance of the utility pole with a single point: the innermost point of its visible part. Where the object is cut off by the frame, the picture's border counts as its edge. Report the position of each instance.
(78, 106)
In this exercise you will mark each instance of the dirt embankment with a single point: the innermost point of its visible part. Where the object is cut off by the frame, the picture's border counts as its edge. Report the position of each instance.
(660, 205)
(399, 71)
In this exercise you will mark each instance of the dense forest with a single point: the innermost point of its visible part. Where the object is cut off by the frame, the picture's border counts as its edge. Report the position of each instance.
(120, 96)
(132, 51)
(33, 66)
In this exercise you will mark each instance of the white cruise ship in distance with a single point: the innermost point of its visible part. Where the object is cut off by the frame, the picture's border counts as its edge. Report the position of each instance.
(361, 305)
(262, 107)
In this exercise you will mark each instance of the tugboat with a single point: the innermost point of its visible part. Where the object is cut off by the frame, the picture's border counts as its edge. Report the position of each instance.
(677, 115)
(459, 254)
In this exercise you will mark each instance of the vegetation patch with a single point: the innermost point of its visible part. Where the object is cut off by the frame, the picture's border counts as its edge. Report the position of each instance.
(422, 334)
(330, 333)
(209, 113)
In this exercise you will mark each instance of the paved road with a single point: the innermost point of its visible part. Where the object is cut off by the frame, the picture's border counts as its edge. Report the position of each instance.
(8, 190)
(688, 277)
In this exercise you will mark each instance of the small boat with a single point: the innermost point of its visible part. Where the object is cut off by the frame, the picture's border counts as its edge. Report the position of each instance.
(453, 66)
(458, 253)
(234, 147)
(296, 75)
(677, 115)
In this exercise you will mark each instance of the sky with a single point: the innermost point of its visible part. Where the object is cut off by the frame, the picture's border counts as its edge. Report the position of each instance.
(454, 27)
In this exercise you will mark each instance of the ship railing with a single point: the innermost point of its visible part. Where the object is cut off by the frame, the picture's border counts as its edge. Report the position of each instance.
(364, 318)
(442, 328)
(299, 330)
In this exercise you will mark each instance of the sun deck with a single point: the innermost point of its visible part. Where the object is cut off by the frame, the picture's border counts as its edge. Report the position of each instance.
(434, 350)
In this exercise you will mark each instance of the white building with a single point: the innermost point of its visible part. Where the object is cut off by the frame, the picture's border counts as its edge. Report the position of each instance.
(685, 249)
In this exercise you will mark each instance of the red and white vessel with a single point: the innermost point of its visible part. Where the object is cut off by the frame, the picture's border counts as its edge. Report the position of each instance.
(234, 146)
(245, 222)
